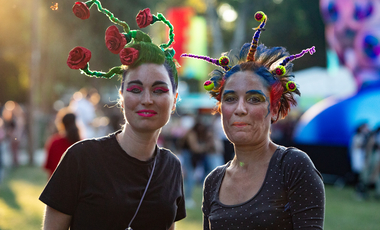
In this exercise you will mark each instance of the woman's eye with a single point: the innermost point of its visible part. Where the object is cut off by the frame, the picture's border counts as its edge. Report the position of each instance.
(134, 89)
(229, 99)
(160, 90)
(256, 99)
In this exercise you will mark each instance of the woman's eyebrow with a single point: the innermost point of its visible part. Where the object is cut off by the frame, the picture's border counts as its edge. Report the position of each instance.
(138, 82)
(159, 83)
(255, 92)
(228, 91)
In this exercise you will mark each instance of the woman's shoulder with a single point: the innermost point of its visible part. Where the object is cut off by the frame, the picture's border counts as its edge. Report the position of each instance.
(291, 158)
(290, 153)
(92, 145)
(168, 155)
(217, 173)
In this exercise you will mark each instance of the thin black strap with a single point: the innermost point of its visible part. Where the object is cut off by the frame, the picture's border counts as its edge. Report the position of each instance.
(146, 188)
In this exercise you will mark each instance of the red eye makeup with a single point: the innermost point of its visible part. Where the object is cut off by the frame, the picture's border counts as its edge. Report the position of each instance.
(134, 88)
(161, 89)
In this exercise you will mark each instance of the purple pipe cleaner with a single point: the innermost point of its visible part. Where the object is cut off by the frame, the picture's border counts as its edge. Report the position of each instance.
(213, 61)
(296, 56)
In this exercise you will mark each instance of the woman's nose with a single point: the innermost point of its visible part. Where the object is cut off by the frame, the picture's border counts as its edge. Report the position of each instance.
(146, 98)
(241, 108)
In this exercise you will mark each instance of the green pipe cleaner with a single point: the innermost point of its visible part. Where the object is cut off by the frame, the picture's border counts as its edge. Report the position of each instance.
(160, 17)
(114, 71)
(111, 16)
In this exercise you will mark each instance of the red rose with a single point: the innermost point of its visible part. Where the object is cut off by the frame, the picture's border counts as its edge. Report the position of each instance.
(144, 18)
(115, 41)
(81, 10)
(78, 58)
(128, 56)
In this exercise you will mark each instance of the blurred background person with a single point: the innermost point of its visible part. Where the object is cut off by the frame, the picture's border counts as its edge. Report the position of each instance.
(227, 147)
(83, 107)
(357, 157)
(2, 137)
(193, 146)
(14, 123)
(370, 175)
(68, 134)
(214, 157)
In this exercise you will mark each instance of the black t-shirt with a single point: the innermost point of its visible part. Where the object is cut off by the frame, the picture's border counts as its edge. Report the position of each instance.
(291, 197)
(100, 186)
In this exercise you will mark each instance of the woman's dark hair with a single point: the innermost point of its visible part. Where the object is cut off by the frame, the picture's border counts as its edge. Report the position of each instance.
(72, 131)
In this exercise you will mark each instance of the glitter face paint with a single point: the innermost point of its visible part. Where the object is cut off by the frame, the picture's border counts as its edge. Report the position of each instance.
(258, 96)
(254, 97)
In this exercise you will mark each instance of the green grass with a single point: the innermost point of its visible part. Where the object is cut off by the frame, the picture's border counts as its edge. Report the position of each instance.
(21, 209)
(343, 211)
(19, 204)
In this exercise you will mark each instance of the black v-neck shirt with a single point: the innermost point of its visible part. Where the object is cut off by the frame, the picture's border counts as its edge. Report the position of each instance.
(100, 186)
(291, 197)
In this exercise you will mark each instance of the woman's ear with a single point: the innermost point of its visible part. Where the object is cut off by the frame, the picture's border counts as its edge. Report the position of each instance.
(175, 102)
(121, 101)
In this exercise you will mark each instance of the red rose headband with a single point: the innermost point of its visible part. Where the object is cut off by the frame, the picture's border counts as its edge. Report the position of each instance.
(134, 47)
(214, 84)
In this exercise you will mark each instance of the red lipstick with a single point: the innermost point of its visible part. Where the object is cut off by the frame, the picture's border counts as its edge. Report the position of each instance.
(146, 113)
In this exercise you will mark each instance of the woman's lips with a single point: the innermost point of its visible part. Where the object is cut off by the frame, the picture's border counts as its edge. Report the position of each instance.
(239, 124)
(146, 113)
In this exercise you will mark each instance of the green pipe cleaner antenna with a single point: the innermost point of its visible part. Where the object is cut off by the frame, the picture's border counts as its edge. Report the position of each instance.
(114, 71)
(111, 16)
(161, 17)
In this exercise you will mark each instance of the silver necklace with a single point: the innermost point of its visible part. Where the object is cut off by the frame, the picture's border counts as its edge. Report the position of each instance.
(146, 188)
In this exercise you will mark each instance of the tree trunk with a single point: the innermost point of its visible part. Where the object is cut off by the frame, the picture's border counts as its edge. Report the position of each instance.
(216, 32)
(34, 80)
(245, 8)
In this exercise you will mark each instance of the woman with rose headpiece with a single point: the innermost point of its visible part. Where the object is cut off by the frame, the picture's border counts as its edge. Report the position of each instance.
(265, 186)
(124, 180)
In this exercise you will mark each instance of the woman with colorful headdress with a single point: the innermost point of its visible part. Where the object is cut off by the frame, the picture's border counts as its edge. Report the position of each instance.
(265, 186)
(124, 180)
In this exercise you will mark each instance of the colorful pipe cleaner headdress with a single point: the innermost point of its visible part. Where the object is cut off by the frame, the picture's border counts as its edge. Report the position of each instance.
(133, 46)
(276, 62)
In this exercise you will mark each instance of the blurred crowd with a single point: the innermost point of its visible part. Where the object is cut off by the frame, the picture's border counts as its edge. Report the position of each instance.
(93, 118)
(364, 153)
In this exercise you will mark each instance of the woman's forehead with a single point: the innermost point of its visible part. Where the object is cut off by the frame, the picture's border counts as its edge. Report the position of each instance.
(243, 80)
(148, 73)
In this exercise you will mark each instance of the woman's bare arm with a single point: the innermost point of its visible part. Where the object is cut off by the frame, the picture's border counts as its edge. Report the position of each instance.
(172, 227)
(56, 220)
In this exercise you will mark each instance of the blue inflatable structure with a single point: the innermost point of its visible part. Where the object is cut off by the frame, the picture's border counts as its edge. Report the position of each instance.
(332, 121)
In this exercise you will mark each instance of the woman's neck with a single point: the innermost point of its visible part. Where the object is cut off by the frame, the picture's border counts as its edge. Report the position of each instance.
(250, 156)
(137, 144)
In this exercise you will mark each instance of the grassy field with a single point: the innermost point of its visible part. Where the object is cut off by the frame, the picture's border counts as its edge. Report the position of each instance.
(21, 209)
